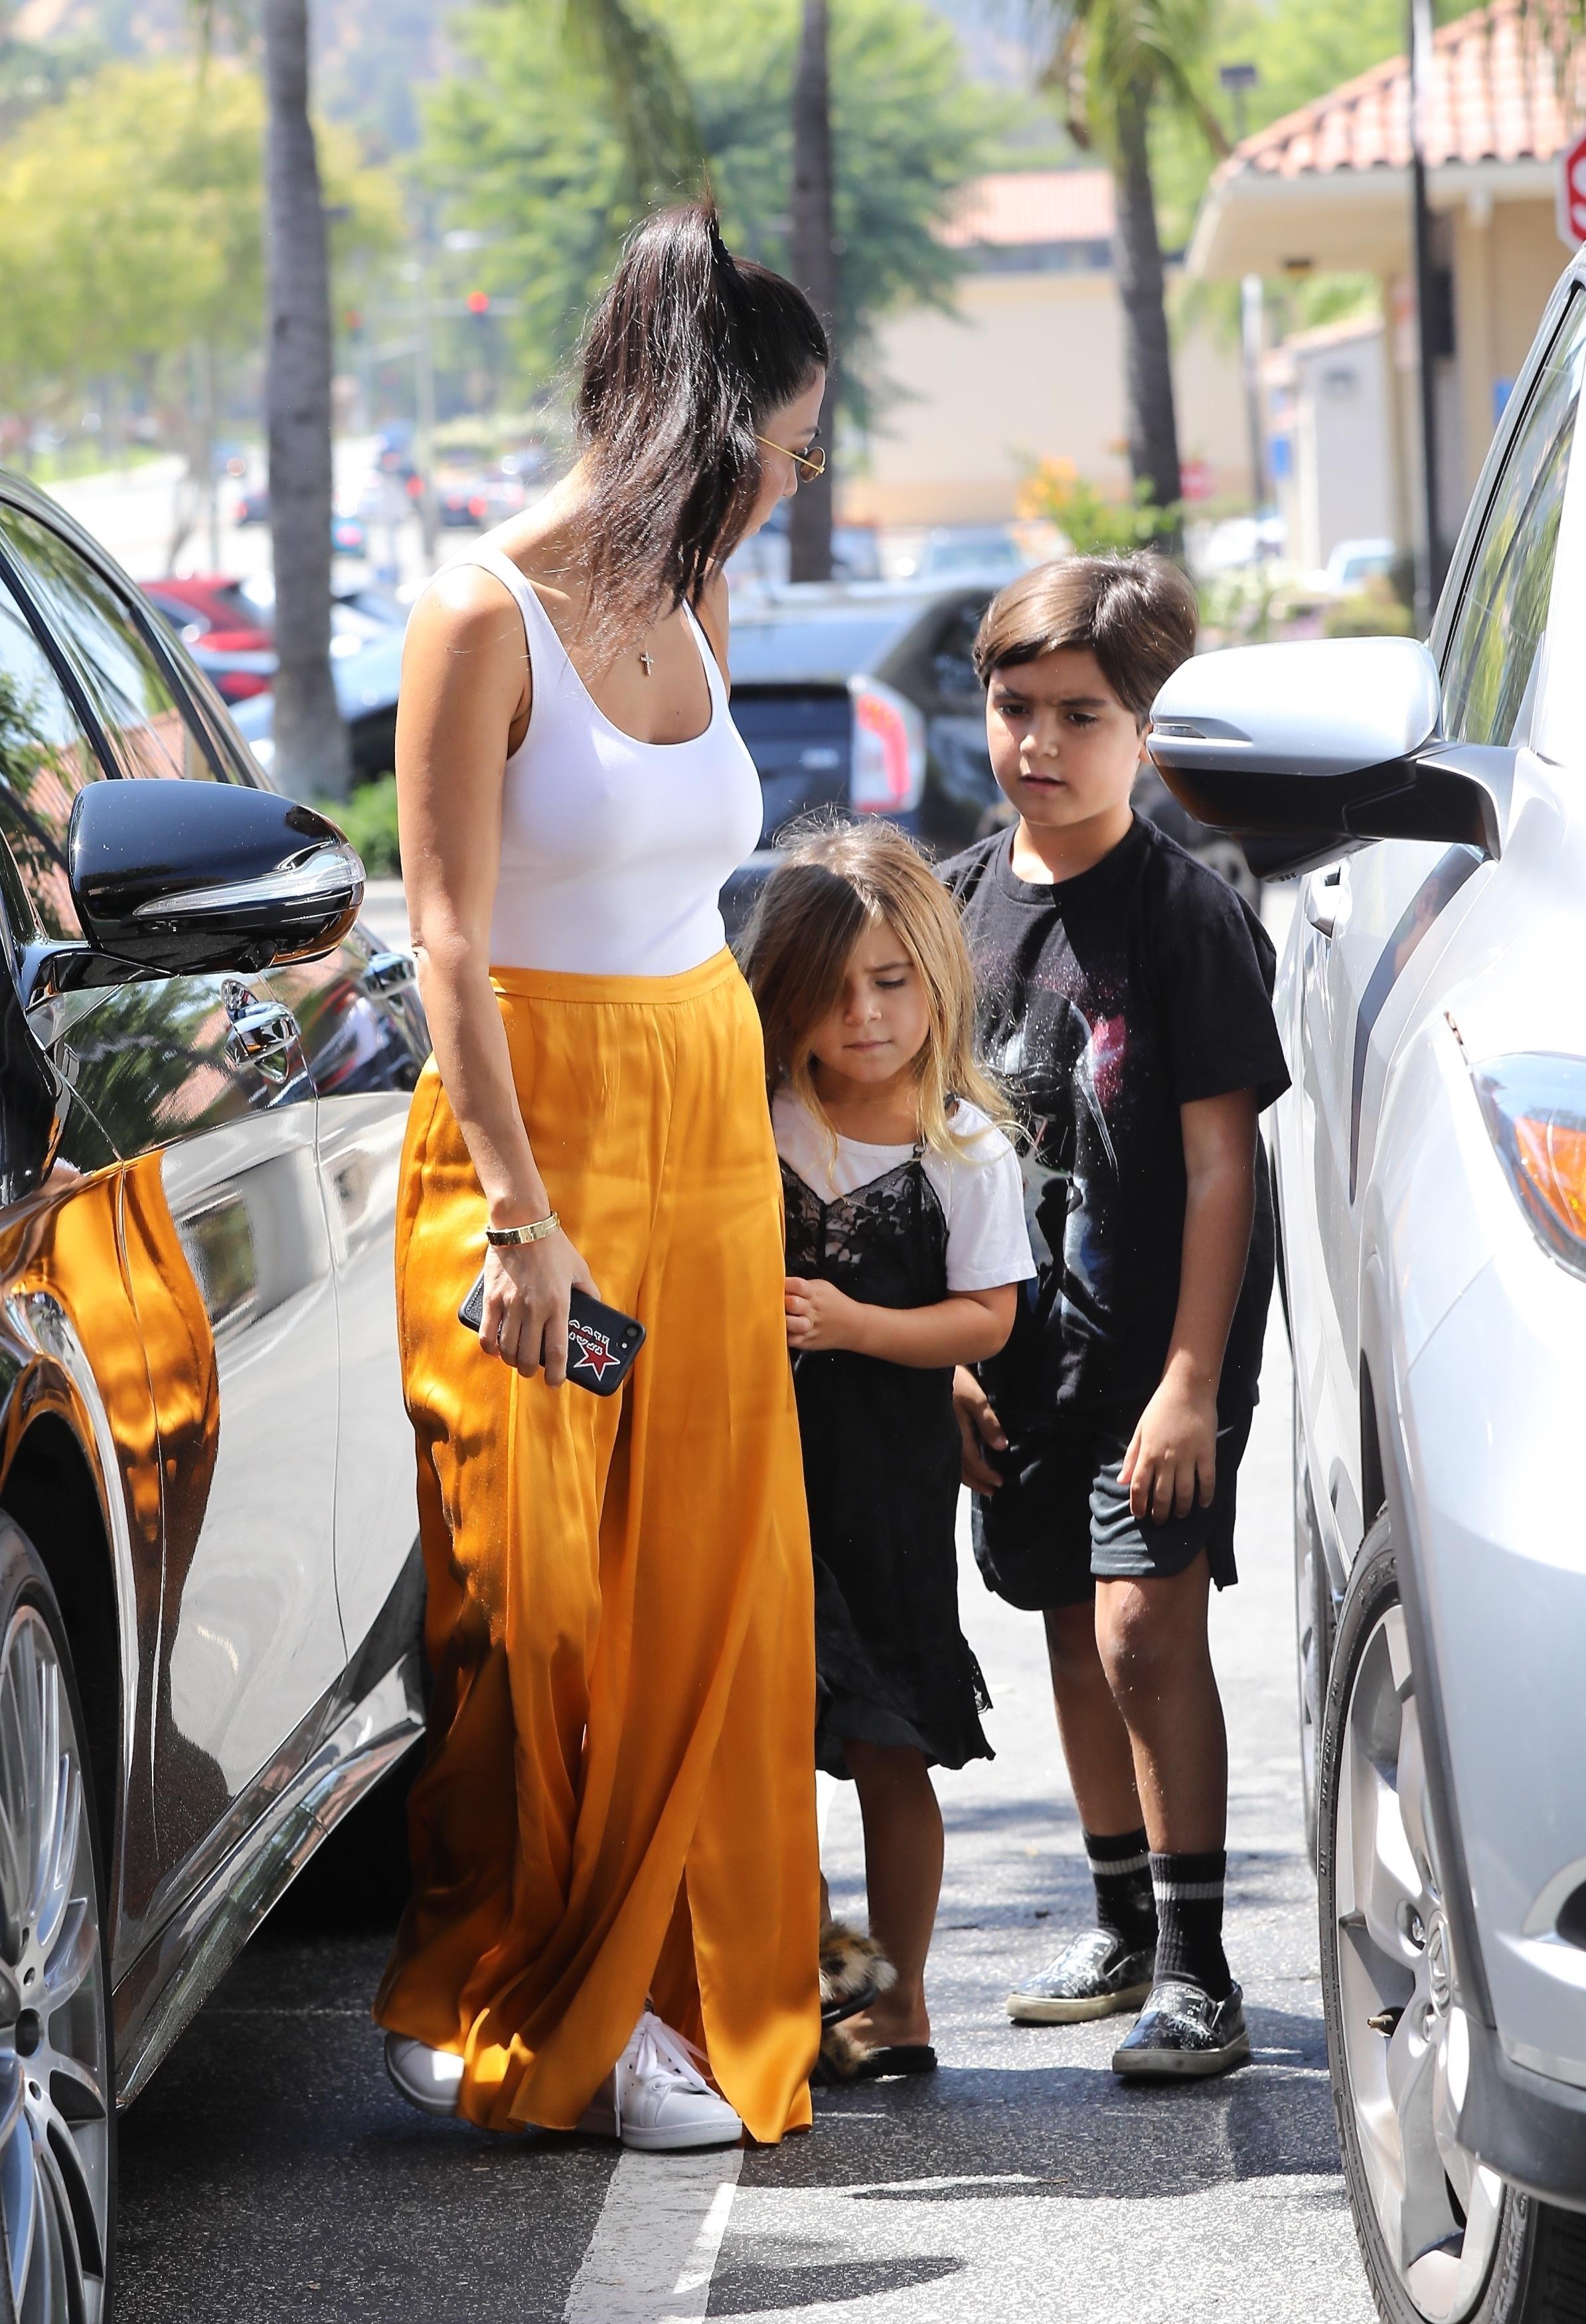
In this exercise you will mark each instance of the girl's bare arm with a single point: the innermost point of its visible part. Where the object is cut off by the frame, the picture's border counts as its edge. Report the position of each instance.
(963, 1328)
(465, 697)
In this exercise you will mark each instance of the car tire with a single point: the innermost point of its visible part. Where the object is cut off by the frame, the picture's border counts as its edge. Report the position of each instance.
(1313, 1628)
(1445, 2241)
(57, 2071)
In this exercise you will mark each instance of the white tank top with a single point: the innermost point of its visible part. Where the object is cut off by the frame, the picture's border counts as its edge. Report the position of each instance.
(613, 851)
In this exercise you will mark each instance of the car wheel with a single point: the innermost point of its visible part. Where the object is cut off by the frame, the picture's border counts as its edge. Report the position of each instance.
(1226, 857)
(57, 2097)
(1445, 2240)
(1313, 1625)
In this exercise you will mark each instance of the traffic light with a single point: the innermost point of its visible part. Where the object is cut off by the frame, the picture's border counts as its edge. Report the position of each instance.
(479, 303)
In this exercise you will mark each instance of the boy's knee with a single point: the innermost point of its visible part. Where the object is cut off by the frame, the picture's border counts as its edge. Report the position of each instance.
(1142, 1638)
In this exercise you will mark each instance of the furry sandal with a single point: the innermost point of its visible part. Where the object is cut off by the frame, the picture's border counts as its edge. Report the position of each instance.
(842, 2059)
(854, 1972)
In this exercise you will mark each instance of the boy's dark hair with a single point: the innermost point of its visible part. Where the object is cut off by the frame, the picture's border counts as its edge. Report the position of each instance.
(1137, 614)
(687, 354)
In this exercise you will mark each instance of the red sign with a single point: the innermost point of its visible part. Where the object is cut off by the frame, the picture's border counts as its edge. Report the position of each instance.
(1195, 480)
(1572, 193)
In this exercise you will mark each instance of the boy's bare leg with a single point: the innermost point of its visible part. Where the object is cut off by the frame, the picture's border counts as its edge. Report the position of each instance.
(1154, 1648)
(1089, 1725)
(903, 1880)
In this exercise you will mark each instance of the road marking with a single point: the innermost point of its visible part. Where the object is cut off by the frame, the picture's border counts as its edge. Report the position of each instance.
(654, 2249)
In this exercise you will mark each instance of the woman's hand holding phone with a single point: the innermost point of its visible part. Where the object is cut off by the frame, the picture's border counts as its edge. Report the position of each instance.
(527, 1288)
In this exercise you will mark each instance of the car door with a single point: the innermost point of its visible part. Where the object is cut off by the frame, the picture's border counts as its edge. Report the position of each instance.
(1375, 924)
(364, 1039)
(201, 1087)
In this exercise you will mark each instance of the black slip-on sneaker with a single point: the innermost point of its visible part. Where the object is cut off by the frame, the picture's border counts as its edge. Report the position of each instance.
(1095, 1976)
(1183, 2032)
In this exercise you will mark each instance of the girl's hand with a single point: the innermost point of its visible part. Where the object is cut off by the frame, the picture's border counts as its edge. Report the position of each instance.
(820, 1316)
(979, 1426)
(527, 1288)
(1172, 1457)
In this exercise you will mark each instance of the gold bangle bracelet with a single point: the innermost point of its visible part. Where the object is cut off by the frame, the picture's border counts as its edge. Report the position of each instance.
(500, 1238)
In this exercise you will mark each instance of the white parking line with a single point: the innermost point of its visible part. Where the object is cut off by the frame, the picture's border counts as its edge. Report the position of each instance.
(654, 2249)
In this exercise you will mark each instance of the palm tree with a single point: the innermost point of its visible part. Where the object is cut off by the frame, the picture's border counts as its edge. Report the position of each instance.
(311, 756)
(815, 269)
(1115, 63)
(649, 108)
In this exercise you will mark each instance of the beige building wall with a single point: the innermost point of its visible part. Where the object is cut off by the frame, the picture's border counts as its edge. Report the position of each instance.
(1030, 368)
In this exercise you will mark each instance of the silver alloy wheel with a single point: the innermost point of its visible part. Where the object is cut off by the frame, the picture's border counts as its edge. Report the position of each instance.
(1406, 2045)
(54, 2071)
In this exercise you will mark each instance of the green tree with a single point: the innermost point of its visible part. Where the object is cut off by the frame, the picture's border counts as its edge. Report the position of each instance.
(523, 146)
(132, 236)
(1116, 66)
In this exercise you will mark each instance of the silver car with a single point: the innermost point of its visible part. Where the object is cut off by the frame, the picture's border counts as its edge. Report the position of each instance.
(1430, 1161)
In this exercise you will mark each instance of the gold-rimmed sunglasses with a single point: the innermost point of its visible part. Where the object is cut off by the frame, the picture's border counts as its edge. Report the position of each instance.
(813, 462)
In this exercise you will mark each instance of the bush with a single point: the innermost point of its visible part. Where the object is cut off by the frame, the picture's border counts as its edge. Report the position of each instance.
(1375, 610)
(1092, 524)
(369, 819)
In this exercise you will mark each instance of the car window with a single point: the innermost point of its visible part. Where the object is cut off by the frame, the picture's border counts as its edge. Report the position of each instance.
(952, 655)
(1496, 636)
(828, 646)
(45, 758)
(130, 689)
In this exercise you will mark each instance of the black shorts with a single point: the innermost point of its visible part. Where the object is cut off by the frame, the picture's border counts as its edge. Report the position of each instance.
(1060, 1521)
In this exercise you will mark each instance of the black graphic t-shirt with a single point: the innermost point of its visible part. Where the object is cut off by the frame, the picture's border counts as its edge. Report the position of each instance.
(1108, 1002)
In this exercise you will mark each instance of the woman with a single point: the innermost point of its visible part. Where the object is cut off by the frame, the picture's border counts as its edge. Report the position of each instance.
(614, 1836)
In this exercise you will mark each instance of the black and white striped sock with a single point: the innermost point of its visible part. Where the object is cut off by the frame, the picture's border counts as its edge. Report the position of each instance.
(1189, 1908)
(1120, 1870)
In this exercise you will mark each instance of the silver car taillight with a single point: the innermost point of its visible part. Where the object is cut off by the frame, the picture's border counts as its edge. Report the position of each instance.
(1535, 1109)
(888, 768)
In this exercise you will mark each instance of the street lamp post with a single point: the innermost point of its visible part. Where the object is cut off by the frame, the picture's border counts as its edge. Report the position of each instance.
(1429, 557)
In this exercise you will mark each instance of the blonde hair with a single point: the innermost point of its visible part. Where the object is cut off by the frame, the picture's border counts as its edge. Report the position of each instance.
(832, 883)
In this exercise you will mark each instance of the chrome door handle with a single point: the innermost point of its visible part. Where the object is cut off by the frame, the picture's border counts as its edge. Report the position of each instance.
(1323, 896)
(263, 1032)
(388, 970)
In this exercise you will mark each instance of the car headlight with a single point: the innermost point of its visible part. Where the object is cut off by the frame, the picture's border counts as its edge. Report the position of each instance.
(1536, 1110)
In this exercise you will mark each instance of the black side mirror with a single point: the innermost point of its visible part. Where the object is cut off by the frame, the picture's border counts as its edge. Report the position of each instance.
(180, 876)
(1315, 747)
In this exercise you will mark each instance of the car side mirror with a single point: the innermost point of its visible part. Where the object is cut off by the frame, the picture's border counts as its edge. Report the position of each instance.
(181, 876)
(1317, 747)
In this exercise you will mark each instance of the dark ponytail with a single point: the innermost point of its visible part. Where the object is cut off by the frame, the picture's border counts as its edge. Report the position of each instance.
(689, 350)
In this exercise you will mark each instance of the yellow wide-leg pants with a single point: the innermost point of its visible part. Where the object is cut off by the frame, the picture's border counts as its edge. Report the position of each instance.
(619, 1796)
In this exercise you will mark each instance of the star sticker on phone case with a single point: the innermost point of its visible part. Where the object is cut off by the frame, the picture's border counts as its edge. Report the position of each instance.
(593, 1356)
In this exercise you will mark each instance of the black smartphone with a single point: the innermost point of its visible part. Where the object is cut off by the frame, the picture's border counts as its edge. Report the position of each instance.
(602, 1342)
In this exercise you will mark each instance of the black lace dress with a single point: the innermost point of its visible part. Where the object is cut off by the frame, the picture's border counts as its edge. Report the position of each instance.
(882, 1469)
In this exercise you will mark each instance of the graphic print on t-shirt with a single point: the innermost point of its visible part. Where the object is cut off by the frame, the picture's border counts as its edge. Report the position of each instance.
(1109, 1001)
(1059, 1067)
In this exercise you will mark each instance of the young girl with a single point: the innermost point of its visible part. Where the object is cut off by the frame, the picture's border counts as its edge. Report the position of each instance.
(905, 1245)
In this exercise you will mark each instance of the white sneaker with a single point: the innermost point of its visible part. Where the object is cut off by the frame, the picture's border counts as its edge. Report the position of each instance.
(428, 2078)
(656, 2098)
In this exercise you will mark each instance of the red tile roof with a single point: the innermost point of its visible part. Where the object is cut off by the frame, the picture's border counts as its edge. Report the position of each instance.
(1493, 97)
(1021, 208)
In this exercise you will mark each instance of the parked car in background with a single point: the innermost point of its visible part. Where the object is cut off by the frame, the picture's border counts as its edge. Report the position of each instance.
(1431, 1166)
(209, 1584)
(366, 668)
(981, 552)
(863, 699)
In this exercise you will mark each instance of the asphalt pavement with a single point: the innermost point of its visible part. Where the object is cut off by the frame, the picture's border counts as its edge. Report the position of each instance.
(271, 2172)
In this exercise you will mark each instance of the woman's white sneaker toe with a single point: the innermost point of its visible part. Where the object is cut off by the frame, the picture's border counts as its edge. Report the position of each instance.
(663, 2104)
(428, 2078)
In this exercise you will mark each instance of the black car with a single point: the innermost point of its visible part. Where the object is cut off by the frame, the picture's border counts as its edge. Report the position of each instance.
(209, 1582)
(861, 698)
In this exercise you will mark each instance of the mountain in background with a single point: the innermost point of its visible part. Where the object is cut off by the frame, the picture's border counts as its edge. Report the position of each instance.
(374, 56)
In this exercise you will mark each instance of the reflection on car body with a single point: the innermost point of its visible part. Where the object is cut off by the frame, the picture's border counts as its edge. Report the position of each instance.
(207, 1555)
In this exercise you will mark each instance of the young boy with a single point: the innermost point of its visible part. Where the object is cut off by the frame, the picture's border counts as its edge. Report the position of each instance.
(1125, 998)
